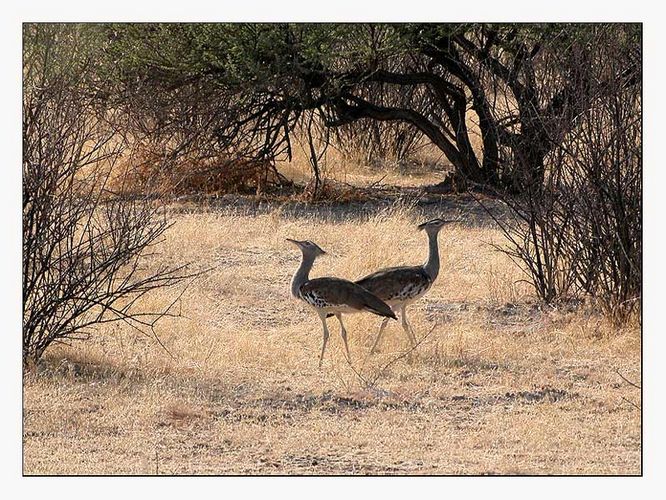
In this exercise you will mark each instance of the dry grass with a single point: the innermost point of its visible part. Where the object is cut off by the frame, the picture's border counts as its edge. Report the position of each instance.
(497, 387)
(428, 167)
(147, 167)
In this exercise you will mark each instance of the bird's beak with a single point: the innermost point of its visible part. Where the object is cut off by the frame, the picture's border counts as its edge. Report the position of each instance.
(292, 241)
(421, 227)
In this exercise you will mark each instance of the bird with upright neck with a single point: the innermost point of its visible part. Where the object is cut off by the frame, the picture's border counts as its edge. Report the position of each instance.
(400, 286)
(331, 296)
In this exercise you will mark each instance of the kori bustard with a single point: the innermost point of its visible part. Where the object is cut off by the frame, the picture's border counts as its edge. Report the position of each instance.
(400, 286)
(332, 296)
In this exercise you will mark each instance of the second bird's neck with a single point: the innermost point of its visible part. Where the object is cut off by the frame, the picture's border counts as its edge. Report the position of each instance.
(431, 266)
(302, 274)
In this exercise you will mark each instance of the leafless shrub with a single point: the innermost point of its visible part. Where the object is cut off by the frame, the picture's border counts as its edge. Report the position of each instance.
(578, 233)
(85, 250)
(602, 176)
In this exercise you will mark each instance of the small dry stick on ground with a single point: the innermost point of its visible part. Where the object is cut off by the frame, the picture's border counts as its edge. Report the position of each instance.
(617, 370)
(371, 383)
(631, 403)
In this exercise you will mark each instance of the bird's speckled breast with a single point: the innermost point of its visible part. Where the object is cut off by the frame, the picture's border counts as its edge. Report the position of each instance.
(314, 299)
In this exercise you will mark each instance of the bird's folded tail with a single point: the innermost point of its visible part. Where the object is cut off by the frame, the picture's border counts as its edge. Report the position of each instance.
(377, 306)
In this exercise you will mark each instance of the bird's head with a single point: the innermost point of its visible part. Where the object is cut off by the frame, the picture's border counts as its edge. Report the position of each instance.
(308, 248)
(433, 226)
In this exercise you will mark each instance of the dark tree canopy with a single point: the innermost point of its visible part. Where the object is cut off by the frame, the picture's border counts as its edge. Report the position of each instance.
(521, 85)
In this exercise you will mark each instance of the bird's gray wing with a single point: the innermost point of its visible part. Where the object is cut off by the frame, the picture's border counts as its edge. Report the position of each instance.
(338, 292)
(391, 282)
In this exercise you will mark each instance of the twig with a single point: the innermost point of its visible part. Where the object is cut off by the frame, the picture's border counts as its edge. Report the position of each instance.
(631, 403)
(373, 184)
(370, 384)
(617, 370)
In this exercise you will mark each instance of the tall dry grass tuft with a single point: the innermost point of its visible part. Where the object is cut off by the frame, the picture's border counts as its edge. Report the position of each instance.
(425, 168)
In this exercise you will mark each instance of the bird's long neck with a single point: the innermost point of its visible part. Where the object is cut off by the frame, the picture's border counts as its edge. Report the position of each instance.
(432, 264)
(302, 274)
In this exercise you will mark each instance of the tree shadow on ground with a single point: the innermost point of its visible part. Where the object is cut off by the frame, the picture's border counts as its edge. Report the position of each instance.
(473, 211)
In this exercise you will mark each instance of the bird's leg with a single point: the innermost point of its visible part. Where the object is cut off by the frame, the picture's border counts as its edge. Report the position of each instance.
(406, 326)
(322, 316)
(379, 335)
(343, 332)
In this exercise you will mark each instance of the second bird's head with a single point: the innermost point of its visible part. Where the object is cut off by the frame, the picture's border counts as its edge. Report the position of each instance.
(308, 247)
(433, 226)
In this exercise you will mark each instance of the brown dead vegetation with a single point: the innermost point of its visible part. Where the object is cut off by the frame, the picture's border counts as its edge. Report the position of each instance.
(147, 170)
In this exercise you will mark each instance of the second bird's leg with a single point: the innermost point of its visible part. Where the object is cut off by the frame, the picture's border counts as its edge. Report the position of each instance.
(322, 316)
(379, 335)
(343, 333)
(406, 326)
